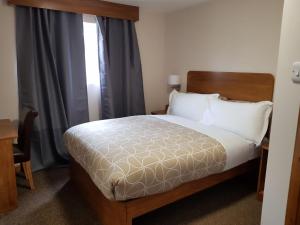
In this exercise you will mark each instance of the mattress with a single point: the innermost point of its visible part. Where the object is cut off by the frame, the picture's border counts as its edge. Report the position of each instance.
(137, 156)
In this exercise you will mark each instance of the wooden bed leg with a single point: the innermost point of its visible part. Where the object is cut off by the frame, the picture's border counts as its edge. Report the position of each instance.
(120, 215)
(129, 221)
(129, 218)
(126, 219)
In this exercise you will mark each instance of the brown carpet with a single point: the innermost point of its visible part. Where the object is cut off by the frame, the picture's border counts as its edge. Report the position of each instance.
(56, 202)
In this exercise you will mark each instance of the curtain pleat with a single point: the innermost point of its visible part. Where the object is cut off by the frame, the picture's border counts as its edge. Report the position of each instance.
(121, 80)
(51, 78)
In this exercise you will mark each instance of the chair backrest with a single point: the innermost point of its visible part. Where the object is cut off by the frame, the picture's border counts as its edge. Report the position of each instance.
(24, 133)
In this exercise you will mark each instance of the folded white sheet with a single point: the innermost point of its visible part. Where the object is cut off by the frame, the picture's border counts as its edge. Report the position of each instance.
(238, 149)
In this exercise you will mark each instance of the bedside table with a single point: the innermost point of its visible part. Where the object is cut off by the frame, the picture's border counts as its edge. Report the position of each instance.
(158, 112)
(264, 150)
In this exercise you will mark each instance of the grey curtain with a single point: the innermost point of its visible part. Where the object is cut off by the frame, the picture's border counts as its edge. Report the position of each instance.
(121, 81)
(51, 77)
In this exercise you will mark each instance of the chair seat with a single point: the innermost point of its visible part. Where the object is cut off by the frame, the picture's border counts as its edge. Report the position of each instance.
(19, 156)
(23, 148)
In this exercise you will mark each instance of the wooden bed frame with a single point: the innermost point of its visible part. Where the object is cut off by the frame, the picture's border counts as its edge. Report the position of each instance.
(236, 86)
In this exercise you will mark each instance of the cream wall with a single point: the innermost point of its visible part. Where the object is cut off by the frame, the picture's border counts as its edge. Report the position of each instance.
(8, 68)
(151, 37)
(224, 35)
(285, 117)
(229, 35)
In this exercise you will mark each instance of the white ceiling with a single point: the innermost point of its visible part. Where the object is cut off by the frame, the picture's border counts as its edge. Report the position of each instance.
(161, 5)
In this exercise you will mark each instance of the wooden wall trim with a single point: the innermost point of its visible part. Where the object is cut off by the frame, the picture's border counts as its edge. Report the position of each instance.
(94, 7)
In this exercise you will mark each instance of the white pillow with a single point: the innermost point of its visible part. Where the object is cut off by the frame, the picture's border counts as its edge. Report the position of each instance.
(189, 105)
(247, 119)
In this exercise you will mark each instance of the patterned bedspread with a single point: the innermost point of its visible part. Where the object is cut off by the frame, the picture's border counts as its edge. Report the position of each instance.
(142, 155)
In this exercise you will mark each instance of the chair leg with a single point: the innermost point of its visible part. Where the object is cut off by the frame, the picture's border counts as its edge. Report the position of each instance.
(28, 173)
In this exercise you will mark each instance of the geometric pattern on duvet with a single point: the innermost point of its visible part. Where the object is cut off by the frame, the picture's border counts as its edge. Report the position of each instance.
(138, 156)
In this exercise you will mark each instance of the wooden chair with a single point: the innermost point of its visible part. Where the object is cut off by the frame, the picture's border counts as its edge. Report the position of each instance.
(23, 148)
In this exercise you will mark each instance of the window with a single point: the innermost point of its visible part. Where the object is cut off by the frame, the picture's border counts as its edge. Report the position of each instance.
(92, 66)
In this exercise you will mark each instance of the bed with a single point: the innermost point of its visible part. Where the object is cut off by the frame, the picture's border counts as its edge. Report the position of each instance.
(118, 202)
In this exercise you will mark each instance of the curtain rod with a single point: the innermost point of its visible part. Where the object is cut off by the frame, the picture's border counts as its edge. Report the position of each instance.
(94, 7)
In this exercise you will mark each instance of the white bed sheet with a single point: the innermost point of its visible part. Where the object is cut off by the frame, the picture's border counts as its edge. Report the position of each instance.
(238, 149)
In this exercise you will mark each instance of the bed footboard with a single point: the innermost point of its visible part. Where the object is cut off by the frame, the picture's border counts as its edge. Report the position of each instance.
(122, 213)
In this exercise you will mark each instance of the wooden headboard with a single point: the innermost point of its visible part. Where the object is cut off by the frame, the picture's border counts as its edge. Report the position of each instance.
(252, 87)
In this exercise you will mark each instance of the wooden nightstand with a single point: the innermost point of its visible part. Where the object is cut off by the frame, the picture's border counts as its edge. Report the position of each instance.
(264, 150)
(159, 112)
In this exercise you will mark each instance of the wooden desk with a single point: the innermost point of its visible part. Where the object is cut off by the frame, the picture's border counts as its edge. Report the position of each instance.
(8, 187)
